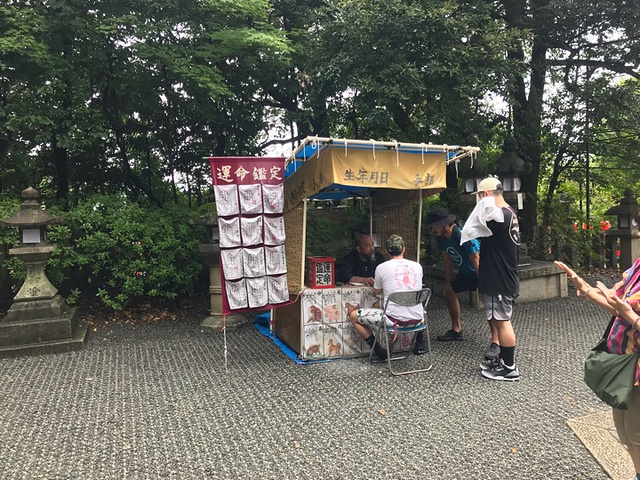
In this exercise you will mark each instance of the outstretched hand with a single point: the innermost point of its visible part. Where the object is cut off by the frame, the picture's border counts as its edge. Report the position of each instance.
(578, 282)
(622, 308)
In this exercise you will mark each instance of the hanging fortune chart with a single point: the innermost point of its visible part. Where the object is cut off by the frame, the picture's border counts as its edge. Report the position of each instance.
(249, 194)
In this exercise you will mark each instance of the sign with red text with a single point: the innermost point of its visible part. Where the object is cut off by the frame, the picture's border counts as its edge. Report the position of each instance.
(249, 194)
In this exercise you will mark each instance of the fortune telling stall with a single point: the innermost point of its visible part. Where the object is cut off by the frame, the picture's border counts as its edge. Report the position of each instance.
(393, 177)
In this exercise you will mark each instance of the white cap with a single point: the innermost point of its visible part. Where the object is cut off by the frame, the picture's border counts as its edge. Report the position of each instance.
(488, 184)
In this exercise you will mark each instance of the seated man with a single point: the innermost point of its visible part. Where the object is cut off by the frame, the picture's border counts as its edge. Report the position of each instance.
(396, 275)
(359, 265)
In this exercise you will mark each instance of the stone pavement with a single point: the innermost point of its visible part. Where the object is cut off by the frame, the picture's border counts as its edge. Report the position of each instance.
(155, 402)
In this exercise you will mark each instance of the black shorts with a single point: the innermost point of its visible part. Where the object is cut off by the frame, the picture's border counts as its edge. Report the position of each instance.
(463, 284)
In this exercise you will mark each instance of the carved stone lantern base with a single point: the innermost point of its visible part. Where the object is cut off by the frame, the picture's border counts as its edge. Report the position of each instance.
(35, 309)
(215, 323)
(39, 320)
(55, 334)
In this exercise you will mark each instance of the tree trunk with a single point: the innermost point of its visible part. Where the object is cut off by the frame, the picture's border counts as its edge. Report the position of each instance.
(527, 115)
(61, 161)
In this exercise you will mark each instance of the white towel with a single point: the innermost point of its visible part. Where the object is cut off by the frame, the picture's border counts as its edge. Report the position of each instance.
(476, 225)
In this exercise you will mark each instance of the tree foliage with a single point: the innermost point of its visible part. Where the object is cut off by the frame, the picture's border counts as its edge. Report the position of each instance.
(125, 97)
(106, 96)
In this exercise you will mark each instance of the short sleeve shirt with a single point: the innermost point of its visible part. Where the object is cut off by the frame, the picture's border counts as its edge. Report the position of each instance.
(499, 257)
(623, 338)
(397, 276)
(459, 254)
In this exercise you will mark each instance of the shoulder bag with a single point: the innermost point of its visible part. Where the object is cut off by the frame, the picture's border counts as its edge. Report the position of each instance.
(610, 376)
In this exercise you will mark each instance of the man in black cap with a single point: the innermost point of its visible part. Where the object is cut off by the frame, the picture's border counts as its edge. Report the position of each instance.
(465, 258)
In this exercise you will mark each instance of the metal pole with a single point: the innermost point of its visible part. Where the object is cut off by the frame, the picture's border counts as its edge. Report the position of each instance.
(419, 228)
(587, 164)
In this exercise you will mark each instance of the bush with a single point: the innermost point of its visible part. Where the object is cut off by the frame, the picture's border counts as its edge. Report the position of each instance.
(118, 250)
(562, 239)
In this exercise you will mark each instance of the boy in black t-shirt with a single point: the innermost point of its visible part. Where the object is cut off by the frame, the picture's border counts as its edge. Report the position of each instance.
(498, 280)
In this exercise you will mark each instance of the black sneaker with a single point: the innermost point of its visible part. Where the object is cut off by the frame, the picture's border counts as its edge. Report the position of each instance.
(501, 372)
(380, 352)
(493, 352)
(420, 348)
(450, 336)
(489, 364)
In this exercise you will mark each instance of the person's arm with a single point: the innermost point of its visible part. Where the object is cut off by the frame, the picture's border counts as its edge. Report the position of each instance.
(474, 258)
(622, 308)
(364, 280)
(345, 272)
(447, 265)
(379, 259)
(377, 284)
(586, 291)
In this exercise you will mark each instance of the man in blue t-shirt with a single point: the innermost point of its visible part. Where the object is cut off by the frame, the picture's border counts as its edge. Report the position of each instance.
(465, 258)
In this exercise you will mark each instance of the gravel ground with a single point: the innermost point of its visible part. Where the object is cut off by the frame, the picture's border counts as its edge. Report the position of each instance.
(156, 402)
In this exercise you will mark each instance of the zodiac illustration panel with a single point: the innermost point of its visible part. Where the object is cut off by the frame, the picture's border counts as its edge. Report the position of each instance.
(313, 341)
(332, 340)
(311, 306)
(351, 297)
(369, 298)
(351, 342)
(331, 305)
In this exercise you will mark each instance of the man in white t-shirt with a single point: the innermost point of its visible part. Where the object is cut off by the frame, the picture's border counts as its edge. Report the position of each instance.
(395, 275)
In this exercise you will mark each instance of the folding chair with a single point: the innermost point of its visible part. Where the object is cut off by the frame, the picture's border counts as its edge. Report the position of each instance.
(405, 299)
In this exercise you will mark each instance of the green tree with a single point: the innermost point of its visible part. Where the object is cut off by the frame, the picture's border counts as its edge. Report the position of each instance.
(566, 37)
(109, 95)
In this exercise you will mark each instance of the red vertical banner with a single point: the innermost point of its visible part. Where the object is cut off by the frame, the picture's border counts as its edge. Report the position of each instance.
(249, 194)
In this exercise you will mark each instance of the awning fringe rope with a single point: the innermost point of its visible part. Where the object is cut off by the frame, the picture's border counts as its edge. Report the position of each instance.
(395, 142)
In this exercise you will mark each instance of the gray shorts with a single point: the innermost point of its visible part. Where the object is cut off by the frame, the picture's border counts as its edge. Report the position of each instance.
(498, 306)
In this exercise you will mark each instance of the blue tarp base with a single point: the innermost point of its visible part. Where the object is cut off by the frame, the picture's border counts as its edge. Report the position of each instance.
(261, 322)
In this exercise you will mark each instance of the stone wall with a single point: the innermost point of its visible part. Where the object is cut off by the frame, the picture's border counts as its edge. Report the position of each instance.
(538, 281)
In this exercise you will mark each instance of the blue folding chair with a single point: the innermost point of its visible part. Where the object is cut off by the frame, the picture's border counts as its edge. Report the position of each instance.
(405, 299)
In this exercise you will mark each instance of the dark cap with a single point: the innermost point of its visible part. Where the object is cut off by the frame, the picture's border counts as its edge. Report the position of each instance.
(440, 217)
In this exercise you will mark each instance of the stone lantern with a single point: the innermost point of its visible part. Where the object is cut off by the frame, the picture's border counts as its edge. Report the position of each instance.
(472, 170)
(509, 169)
(210, 254)
(39, 320)
(626, 231)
